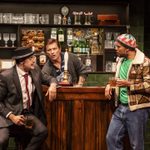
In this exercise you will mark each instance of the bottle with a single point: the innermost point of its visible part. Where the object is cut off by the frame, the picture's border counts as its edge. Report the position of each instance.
(53, 33)
(114, 64)
(42, 58)
(76, 46)
(69, 39)
(82, 46)
(87, 47)
(61, 38)
(69, 20)
(64, 20)
(95, 45)
(79, 46)
(88, 62)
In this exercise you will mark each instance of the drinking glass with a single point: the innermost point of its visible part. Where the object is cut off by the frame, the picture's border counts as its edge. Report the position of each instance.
(6, 38)
(44, 19)
(112, 81)
(77, 17)
(87, 18)
(28, 122)
(57, 18)
(108, 35)
(13, 38)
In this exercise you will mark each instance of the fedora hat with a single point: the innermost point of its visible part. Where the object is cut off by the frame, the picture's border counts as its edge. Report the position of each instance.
(22, 52)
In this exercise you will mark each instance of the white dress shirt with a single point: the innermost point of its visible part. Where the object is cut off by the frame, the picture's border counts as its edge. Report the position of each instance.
(21, 74)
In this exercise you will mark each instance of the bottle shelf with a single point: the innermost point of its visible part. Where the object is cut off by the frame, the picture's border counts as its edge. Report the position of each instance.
(65, 26)
(75, 44)
(8, 48)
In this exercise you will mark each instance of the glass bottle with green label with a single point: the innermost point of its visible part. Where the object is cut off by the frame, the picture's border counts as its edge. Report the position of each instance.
(61, 38)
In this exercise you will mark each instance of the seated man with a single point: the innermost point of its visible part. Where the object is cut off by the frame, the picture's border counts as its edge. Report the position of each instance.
(21, 101)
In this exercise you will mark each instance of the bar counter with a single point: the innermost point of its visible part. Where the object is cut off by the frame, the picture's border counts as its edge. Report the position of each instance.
(78, 119)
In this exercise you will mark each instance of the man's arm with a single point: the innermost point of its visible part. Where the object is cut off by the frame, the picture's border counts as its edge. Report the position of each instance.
(80, 69)
(51, 81)
(81, 80)
(3, 93)
(142, 87)
(47, 78)
(52, 92)
(108, 91)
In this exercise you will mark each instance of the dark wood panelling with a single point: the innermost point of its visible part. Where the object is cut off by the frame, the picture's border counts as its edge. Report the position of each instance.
(78, 119)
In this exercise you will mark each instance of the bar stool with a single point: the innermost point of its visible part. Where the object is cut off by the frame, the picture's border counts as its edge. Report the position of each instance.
(17, 144)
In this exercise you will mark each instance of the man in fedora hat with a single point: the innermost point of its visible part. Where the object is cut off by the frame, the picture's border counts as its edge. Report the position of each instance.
(21, 101)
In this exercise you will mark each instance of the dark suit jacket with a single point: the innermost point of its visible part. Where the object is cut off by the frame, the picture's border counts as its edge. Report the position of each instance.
(11, 95)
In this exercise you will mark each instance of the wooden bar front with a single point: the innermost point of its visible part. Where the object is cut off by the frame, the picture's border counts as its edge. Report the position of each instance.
(78, 119)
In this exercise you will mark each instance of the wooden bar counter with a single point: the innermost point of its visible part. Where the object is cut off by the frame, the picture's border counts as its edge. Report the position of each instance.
(78, 119)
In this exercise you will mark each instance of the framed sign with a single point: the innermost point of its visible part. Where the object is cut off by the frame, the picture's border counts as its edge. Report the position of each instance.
(6, 63)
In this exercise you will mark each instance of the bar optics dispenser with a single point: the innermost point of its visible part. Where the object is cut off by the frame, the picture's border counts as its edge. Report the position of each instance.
(65, 81)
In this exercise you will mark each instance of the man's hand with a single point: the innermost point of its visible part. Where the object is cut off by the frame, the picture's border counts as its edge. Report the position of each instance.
(18, 120)
(78, 85)
(80, 82)
(108, 92)
(51, 92)
(123, 83)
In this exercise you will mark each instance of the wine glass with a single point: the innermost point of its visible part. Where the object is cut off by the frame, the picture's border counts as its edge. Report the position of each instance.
(13, 38)
(108, 35)
(6, 38)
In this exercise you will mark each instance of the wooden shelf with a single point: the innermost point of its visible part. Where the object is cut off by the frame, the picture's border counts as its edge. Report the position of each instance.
(65, 26)
(103, 7)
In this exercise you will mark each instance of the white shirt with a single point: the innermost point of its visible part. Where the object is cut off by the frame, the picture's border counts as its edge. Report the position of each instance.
(21, 74)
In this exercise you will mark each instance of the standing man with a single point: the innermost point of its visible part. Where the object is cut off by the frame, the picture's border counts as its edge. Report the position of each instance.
(133, 95)
(55, 65)
(21, 101)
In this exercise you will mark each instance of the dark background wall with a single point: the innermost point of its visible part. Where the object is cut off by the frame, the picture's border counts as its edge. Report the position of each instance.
(147, 27)
(136, 12)
(64, 1)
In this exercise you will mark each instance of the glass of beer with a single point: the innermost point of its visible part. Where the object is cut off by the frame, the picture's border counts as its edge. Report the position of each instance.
(112, 81)
(28, 122)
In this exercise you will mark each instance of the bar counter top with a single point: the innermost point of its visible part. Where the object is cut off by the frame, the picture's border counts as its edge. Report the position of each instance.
(84, 93)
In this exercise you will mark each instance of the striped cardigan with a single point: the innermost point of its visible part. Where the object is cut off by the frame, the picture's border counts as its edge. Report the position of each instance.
(139, 75)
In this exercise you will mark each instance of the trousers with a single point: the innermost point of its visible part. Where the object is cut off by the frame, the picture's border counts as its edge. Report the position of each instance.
(35, 135)
(125, 121)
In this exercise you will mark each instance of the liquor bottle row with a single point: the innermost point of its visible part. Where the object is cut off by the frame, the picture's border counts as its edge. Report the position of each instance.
(80, 40)
(81, 46)
(76, 40)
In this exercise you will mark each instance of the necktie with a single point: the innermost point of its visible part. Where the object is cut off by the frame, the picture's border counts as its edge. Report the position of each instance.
(27, 90)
